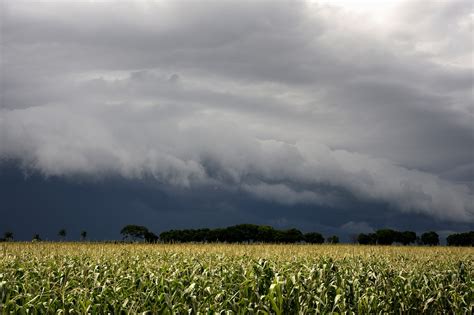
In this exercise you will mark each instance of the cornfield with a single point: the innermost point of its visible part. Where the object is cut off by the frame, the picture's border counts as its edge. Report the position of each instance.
(81, 278)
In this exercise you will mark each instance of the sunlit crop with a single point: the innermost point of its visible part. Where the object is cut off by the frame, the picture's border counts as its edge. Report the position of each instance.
(78, 278)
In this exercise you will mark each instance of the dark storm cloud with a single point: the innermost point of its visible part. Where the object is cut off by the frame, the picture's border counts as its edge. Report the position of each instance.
(283, 101)
(102, 207)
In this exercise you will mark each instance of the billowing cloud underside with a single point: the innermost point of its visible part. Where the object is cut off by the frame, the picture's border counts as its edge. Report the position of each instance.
(291, 102)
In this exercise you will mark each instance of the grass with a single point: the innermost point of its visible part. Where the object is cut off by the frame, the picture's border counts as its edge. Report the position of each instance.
(78, 278)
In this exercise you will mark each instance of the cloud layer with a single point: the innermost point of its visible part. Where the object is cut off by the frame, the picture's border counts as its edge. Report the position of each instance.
(291, 102)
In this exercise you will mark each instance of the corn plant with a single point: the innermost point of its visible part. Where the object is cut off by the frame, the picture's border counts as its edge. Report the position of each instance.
(81, 278)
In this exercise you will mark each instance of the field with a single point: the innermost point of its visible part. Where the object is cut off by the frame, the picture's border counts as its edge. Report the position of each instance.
(78, 278)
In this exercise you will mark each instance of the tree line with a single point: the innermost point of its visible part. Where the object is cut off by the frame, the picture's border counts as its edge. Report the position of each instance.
(233, 234)
(389, 236)
(266, 234)
(461, 239)
(244, 233)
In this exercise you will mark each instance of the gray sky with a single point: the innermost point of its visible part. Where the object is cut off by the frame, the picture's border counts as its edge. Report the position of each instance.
(291, 103)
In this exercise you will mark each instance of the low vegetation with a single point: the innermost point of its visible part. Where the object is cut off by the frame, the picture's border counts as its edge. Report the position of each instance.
(97, 278)
(252, 233)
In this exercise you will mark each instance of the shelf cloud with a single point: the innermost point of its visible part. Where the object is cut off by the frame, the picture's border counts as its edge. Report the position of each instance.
(292, 102)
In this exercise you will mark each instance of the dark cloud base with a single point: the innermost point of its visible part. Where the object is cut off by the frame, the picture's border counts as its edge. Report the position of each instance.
(32, 203)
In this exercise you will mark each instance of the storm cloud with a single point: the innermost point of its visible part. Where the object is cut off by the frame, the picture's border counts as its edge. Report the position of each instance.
(290, 102)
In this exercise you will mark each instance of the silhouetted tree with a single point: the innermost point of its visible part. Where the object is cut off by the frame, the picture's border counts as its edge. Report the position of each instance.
(169, 236)
(363, 239)
(461, 239)
(314, 238)
(83, 235)
(291, 236)
(240, 233)
(367, 239)
(265, 233)
(150, 237)
(386, 236)
(430, 238)
(62, 233)
(36, 238)
(333, 239)
(8, 236)
(134, 231)
(406, 237)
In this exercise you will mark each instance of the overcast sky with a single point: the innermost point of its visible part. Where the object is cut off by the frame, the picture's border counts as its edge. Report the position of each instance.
(339, 116)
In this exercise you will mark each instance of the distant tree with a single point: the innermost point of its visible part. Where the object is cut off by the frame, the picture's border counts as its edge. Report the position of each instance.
(461, 239)
(333, 239)
(169, 236)
(373, 238)
(291, 236)
(8, 236)
(134, 232)
(386, 236)
(83, 235)
(406, 237)
(36, 238)
(314, 238)
(150, 237)
(367, 239)
(363, 239)
(265, 233)
(62, 234)
(453, 240)
(240, 233)
(430, 238)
